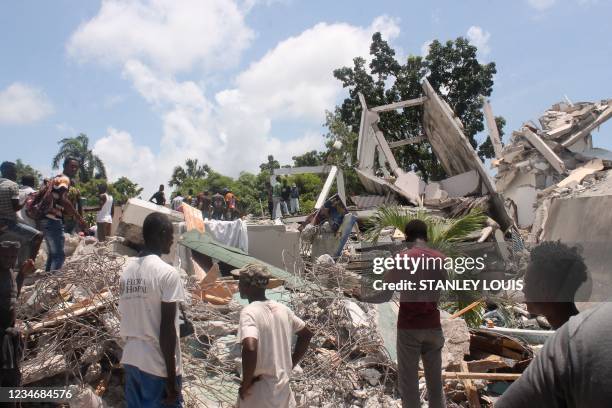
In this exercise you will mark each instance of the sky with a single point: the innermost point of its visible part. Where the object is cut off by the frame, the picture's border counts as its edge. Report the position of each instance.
(228, 82)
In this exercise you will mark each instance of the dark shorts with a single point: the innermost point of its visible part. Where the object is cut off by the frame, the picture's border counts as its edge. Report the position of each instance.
(144, 390)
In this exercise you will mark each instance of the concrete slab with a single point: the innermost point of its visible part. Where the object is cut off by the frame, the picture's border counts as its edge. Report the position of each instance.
(522, 191)
(270, 242)
(462, 184)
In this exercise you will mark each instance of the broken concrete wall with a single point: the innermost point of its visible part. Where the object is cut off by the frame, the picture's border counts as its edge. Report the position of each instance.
(270, 242)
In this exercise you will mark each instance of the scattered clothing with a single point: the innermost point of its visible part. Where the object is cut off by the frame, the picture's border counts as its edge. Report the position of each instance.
(273, 325)
(145, 283)
(574, 369)
(232, 233)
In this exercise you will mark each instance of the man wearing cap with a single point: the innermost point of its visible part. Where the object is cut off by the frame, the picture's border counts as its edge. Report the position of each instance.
(52, 222)
(10, 226)
(10, 288)
(265, 332)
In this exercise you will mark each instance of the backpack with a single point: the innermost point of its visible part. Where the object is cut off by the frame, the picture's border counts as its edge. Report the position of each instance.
(38, 204)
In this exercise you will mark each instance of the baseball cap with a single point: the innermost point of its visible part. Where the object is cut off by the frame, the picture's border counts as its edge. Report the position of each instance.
(255, 275)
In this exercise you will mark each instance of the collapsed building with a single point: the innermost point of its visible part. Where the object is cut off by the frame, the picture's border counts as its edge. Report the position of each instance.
(547, 173)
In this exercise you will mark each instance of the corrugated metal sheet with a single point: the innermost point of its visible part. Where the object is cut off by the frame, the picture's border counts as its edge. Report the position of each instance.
(372, 201)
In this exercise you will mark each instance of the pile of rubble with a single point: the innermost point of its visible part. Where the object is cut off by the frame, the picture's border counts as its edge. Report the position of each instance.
(551, 158)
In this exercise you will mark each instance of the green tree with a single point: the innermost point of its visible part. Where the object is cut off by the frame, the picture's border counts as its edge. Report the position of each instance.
(25, 169)
(78, 147)
(192, 170)
(125, 189)
(270, 165)
(453, 71)
(311, 158)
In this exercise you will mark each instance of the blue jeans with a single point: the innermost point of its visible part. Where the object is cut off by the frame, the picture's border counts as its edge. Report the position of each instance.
(144, 390)
(24, 234)
(54, 236)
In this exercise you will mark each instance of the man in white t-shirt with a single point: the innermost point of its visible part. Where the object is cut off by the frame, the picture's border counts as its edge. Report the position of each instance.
(150, 293)
(104, 219)
(266, 332)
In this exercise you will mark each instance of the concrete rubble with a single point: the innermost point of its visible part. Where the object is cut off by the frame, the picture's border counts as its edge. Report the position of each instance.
(546, 173)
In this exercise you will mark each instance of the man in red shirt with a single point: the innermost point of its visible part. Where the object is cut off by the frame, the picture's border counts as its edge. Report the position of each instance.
(419, 333)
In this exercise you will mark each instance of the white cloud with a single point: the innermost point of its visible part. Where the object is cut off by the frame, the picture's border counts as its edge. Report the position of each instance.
(480, 39)
(123, 158)
(170, 35)
(425, 48)
(541, 4)
(22, 103)
(234, 130)
(295, 78)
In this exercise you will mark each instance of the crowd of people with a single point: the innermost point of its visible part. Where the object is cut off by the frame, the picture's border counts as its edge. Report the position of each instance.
(223, 205)
(283, 200)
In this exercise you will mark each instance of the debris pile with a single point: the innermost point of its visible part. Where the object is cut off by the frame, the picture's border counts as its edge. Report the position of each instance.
(552, 157)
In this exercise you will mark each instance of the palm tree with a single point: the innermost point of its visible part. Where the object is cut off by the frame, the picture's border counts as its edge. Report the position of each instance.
(78, 147)
(443, 234)
(192, 170)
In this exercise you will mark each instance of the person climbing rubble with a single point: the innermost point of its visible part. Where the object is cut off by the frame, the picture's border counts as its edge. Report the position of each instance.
(150, 292)
(265, 332)
(419, 331)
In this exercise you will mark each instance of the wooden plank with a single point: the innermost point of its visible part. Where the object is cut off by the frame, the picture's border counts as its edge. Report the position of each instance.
(466, 309)
(449, 375)
(544, 149)
(470, 389)
(605, 115)
(492, 126)
(407, 141)
(399, 105)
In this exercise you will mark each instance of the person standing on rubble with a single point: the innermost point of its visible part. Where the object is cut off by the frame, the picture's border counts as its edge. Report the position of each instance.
(71, 169)
(52, 222)
(295, 199)
(419, 331)
(276, 198)
(159, 198)
(205, 204)
(104, 219)
(218, 206)
(285, 196)
(10, 338)
(265, 332)
(270, 199)
(11, 227)
(150, 293)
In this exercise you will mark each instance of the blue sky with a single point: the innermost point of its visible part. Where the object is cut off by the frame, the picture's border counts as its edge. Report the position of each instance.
(228, 82)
